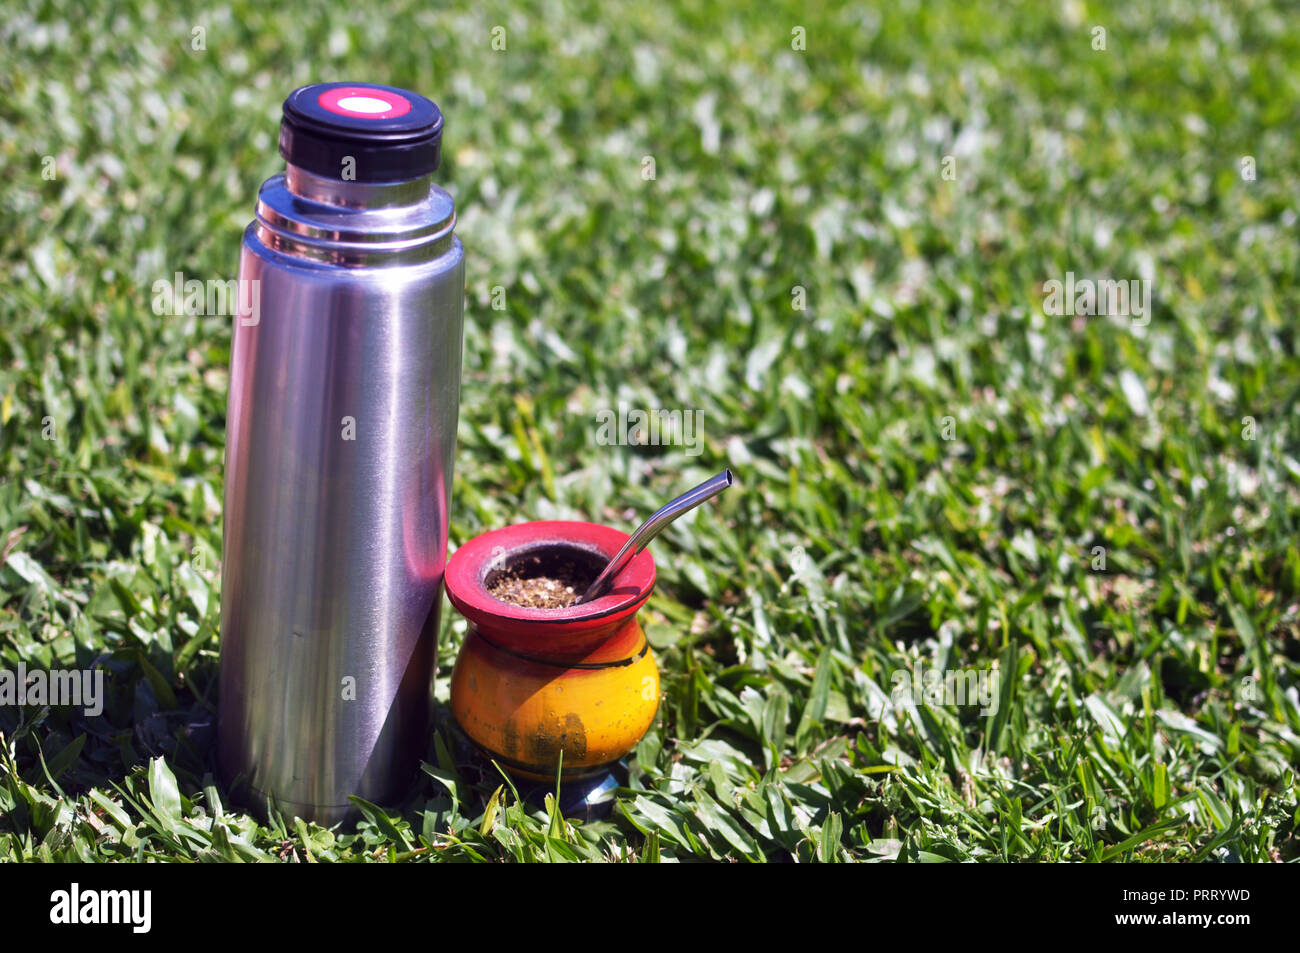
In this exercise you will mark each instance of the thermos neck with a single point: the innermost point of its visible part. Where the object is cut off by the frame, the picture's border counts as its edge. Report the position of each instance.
(356, 195)
(355, 224)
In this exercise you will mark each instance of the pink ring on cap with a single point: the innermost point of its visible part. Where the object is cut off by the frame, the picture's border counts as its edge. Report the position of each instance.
(363, 102)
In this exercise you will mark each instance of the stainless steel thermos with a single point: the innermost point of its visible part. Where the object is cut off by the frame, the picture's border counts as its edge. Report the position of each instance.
(341, 427)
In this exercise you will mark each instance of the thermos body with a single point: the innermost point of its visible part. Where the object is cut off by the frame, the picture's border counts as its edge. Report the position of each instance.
(341, 430)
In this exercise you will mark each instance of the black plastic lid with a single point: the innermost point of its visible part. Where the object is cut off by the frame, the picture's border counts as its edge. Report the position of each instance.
(389, 134)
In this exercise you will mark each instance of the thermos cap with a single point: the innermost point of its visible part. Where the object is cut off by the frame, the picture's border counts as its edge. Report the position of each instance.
(361, 132)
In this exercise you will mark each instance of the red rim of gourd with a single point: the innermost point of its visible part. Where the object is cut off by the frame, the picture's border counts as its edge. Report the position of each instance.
(568, 632)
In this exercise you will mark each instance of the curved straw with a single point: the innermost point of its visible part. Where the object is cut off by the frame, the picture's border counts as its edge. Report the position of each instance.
(652, 527)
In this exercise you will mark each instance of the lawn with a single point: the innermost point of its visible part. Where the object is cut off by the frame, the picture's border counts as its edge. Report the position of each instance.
(830, 233)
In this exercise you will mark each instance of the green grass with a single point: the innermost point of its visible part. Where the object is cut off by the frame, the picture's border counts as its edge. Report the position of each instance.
(1148, 711)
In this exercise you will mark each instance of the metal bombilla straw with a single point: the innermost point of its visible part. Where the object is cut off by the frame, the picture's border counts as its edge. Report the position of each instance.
(652, 527)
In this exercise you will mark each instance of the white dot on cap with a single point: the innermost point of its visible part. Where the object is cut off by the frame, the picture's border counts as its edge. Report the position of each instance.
(365, 104)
